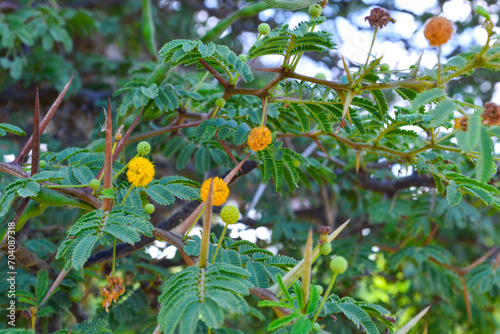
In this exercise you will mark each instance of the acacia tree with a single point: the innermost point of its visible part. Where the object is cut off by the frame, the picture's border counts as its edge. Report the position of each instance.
(389, 247)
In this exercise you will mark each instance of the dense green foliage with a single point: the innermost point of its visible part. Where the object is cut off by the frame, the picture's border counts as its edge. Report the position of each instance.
(339, 147)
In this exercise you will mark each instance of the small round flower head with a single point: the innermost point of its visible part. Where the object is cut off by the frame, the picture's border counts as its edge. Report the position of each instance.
(43, 163)
(221, 191)
(149, 208)
(220, 102)
(95, 184)
(384, 67)
(315, 10)
(230, 214)
(264, 28)
(438, 31)
(259, 138)
(379, 17)
(243, 58)
(491, 114)
(325, 248)
(143, 148)
(320, 75)
(338, 265)
(140, 172)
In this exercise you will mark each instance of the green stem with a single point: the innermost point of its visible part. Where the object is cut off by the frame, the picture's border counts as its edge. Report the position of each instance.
(114, 259)
(124, 167)
(128, 192)
(325, 296)
(439, 67)
(194, 223)
(220, 243)
(371, 46)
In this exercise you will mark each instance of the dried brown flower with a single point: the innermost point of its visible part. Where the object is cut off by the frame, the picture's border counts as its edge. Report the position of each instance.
(111, 291)
(438, 31)
(324, 229)
(491, 114)
(379, 17)
(461, 123)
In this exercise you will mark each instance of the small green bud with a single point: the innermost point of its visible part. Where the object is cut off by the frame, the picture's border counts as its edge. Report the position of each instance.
(384, 67)
(319, 289)
(338, 264)
(43, 163)
(323, 238)
(220, 102)
(264, 28)
(230, 214)
(321, 76)
(149, 208)
(326, 248)
(296, 162)
(243, 58)
(143, 148)
(95, 184)
(356, 90)
(316, 327)
(315, 10)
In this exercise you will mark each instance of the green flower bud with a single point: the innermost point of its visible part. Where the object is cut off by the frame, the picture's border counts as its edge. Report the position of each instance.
(243, 58)
(95, 184)
(230, 214)
(43, 163)
(220, 102)
(321, 76)
(384, 67)
(149, 208)
(315, 10)
(338, 265)
(143, 148)
(264, 29)
(325, 248)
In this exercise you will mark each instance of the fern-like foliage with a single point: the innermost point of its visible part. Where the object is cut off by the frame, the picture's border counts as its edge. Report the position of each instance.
(197, 294)
(288, 42)
(121, 223)
(187, 52)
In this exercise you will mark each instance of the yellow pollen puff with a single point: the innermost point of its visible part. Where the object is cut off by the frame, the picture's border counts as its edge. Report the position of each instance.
(140, 172)
(259, 138)
(221, 191)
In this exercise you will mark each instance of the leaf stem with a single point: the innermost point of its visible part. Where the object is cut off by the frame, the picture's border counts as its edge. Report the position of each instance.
(220, 243)
(128, 192)
(325, 296)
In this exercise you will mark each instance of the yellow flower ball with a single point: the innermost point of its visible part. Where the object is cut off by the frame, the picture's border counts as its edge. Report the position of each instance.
(140, 172)
(221, 191)
(259, 138)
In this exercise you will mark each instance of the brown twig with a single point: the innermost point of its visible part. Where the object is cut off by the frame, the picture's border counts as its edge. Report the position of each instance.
(27, 147)
(35, 151)
(162, 131)
(107, 203)
(467, 300)
(17, 171)
(216, 74)
(431, 235)
(228, 151)
(176, 241)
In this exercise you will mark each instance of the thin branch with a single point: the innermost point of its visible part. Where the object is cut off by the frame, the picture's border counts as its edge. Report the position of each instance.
(27, 147)
(176, 241)
(107, 203)
(216, 74)
(162, 131)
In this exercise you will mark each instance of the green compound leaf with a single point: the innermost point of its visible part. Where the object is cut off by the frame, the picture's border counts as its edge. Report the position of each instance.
(359, 317)
(83, 250)
(452, 194)
(485, 165)
(426, 97)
